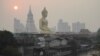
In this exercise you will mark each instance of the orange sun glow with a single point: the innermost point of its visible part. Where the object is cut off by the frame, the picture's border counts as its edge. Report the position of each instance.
(15, 7)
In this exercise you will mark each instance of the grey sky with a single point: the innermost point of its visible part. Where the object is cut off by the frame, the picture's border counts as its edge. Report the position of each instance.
(85, 11)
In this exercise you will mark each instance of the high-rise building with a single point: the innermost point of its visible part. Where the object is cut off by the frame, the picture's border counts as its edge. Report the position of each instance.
(63, 26)
(67, 27)
(59, 26)
(76, 27)
(30, 25)
(18, 26)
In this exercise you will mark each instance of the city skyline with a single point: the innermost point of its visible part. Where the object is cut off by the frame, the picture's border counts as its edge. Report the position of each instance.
(61, 26)
(70, 11)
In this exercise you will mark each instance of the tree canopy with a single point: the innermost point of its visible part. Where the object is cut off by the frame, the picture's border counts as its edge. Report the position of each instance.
(8, 44)
(98, 36)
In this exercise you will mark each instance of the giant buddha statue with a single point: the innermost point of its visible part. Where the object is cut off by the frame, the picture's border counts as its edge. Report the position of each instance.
(43, 23)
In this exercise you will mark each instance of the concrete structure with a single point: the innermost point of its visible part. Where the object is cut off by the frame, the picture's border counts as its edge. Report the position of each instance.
(85, 31)
(30, 25)
(63, 26)
(18, 26)
(27, 45)
(76, 27)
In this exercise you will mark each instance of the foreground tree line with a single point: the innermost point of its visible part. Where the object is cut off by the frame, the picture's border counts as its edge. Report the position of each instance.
(97, 44)
(8, 44)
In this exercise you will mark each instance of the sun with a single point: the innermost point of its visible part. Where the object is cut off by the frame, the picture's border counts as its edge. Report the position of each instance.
(16, 7)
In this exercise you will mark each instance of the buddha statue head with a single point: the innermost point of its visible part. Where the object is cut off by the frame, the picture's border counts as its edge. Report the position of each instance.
(44, 12)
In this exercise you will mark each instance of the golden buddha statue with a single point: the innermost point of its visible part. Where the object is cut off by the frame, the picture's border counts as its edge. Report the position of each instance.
(43, 23)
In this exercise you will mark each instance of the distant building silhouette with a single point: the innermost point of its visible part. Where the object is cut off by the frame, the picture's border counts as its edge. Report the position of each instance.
(85, 31)
(76, 27)
(68, 29)
(18, 26)
(63, 26)
(30, 25)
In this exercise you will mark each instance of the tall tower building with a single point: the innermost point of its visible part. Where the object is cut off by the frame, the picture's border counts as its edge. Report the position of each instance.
(59, 26)
(30, 25)
(18, 26)
(63, 26)
(76, 27)
(67, 27)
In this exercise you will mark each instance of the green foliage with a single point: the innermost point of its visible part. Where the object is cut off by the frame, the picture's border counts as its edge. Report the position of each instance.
(98, 36)
(10, 51)
(97, 46)
(8, 44)
(98, 33)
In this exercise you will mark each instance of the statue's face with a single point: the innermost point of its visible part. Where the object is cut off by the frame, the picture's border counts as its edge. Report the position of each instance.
(45, 15)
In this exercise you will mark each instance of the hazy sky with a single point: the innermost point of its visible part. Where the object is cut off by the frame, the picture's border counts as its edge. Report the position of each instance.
(85, 11)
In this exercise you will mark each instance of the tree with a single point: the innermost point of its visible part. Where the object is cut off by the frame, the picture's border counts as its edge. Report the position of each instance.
(98, 41)
(98, 36)
(8, 44)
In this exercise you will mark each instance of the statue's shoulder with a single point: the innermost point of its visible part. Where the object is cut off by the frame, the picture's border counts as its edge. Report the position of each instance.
(40, 19)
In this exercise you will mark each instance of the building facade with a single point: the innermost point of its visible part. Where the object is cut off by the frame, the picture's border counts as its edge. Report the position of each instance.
(63, 26)
(18, 26)
(30, 25)
(76, 27)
